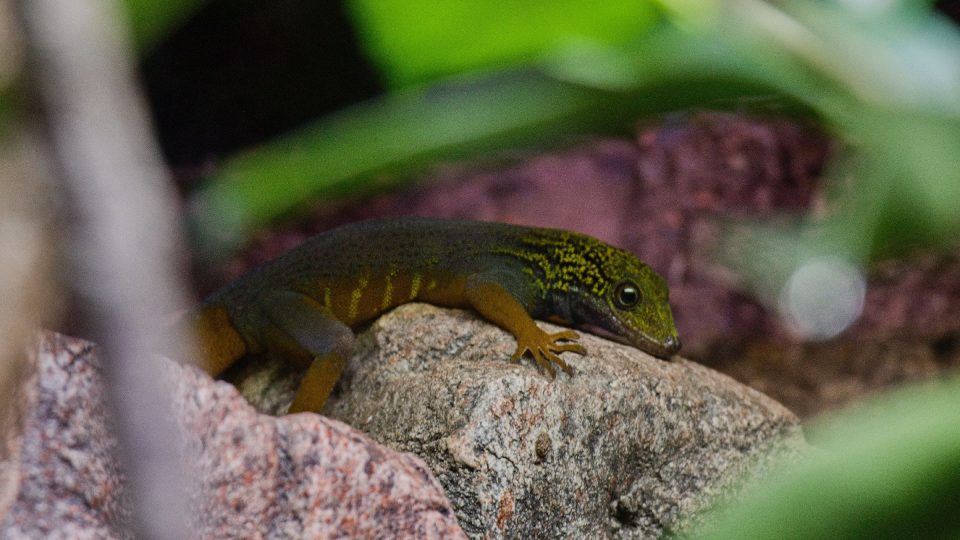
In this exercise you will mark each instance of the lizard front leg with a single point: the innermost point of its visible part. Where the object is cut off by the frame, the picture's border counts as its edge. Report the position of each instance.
(497, 305)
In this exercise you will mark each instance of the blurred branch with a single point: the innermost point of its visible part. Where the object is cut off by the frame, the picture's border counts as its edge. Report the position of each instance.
(122, 244)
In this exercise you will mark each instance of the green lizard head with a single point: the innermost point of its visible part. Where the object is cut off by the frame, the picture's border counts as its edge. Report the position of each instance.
(627, 299)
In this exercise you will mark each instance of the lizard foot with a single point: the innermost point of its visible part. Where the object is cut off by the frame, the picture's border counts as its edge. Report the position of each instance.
(544, 349)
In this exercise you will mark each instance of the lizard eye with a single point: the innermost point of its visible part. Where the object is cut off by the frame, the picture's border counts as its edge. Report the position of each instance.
(627, 295)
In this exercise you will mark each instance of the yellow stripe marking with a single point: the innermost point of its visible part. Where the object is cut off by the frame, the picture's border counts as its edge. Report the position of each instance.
(387, 292)
(356, 295)
(414, 285)
(326, 297)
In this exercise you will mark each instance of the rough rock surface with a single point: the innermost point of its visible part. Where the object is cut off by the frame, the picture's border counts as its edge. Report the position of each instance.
(301, 476)
(629, 447)
(69, 479)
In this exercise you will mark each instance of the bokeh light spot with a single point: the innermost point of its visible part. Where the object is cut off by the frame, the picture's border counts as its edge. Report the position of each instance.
(823, 297)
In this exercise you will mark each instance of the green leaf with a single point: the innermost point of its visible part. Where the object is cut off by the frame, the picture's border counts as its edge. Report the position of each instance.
(414, 41)
(887, 470)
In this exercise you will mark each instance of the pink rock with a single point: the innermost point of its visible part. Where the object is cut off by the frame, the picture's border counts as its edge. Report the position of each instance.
(301, 476)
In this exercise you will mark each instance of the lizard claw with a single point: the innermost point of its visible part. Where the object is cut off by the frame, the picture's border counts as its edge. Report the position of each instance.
(544, 349)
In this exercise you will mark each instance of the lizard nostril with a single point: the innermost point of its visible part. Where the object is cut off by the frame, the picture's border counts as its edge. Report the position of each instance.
(672, 344)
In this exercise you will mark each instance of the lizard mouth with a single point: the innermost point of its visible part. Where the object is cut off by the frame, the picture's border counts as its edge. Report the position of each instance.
(664, 349)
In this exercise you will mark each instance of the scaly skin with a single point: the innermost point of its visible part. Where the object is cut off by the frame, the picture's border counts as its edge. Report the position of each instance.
(304, 304)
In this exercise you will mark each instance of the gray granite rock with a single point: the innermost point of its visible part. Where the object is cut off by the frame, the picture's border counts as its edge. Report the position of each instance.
(630, 446)
(301, 476)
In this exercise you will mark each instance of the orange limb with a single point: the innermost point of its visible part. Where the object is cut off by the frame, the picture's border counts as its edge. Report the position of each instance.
(318, 383)
(498, 306)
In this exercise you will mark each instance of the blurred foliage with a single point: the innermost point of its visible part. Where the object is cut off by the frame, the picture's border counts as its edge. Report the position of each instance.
(10, 64)
(369, 147)
(151, 20)
(890, 469)
(470, 35)
(9, 103)
(884, 76)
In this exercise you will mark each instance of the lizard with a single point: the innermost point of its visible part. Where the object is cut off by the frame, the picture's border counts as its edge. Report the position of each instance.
(306, 304)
